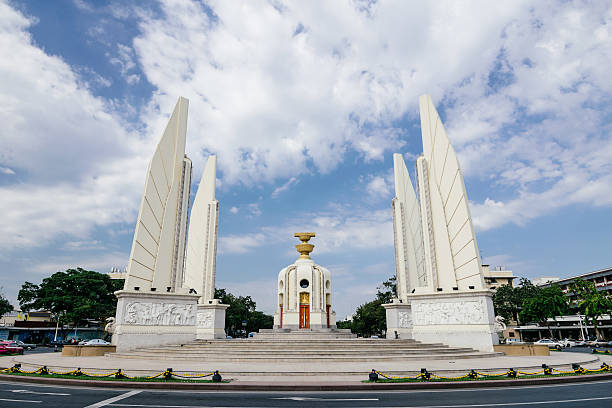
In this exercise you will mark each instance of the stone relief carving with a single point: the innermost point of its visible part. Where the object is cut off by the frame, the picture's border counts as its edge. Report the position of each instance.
(160, 314)
(469, 312)
(205, 319)
(404, 319)
(500, 324)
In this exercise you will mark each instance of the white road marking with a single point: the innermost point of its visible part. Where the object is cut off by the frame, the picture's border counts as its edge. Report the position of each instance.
(167, 406)
(507, 404)
(325, 399)
(113, 399)
(13, 400)
(40, 393)
(504, 404)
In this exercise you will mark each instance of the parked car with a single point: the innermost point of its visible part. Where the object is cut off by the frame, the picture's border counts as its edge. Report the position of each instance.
(550, 343)
(513, 341)
(11, 347)
(596, 343)
(580, 343)
(26, 346)
(569, 343)
(57, 343)
(94, 342)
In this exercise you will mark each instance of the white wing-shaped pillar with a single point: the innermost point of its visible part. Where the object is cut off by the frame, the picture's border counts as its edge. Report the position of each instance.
(157, 255)
(452, 256)
(409, 256)
(200, 263)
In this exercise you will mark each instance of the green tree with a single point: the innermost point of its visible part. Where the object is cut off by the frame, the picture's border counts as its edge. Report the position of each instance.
(370, 318)
(591, 303)
(547, 303)
(5, 305)
(242, 309)
(74, 296)
(508, 300)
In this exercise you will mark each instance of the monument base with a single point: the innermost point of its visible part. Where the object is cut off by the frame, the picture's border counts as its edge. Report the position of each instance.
(317, 320)
(399, 320)
(147, 319)
(459, 319)
(211, 320)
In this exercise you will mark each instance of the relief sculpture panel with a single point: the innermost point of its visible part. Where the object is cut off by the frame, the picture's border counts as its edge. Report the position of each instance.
(404, 319)
(160, 314)
(205, 319)
(468, 312)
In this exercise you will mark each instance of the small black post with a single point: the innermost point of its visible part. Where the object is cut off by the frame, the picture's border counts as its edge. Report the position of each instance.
(373, 375)
(547, 369)
(216, 377)
(168, 374)
(425, 374)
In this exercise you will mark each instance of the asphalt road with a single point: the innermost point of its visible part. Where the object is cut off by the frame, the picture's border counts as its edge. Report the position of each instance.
(595, 394)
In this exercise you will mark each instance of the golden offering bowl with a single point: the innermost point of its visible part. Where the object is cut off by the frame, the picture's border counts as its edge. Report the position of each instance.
(304, 248)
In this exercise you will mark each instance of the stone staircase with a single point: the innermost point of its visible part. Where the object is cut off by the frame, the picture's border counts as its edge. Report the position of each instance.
(295, 347)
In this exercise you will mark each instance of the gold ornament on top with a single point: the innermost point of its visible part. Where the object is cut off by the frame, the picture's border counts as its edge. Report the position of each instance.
(304, 248)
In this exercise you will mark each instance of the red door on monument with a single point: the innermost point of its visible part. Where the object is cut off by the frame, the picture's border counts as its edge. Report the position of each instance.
(327, 310)
(304, 316)
(281, 316)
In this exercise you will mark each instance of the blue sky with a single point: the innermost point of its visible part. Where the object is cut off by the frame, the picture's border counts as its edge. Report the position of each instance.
(304, 104)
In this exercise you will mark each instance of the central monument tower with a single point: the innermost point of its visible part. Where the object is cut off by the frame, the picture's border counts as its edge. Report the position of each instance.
(304, 292)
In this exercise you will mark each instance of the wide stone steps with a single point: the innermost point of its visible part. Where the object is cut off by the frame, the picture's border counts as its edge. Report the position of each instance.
(303, 349)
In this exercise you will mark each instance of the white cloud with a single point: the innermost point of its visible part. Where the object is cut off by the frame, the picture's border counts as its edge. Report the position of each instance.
(379, 187)
(78, 165)
(284, 187)
(339, 230)
(541, 130)
(234, 210)
(6, 170)
(125, 62)
(240, 244)
(99, 263)
(254, 210)
(272, 99)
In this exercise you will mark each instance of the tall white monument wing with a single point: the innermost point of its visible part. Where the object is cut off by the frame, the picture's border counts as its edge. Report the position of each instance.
(454, 241)
(200, 262)
(156, 258)
(410, 269)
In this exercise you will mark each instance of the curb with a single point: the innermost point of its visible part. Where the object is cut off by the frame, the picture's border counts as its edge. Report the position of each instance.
(337, 386)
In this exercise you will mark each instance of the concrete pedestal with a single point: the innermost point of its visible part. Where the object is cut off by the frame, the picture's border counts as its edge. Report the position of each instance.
(153, 319)
(459, 319)
(318, 320)
(211, 320)
(399, 320)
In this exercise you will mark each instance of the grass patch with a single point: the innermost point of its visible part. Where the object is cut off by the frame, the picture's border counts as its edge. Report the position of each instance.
(134, 379)
(479, 378)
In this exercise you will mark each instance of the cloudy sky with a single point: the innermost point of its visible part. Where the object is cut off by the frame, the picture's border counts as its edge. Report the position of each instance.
(304, 104)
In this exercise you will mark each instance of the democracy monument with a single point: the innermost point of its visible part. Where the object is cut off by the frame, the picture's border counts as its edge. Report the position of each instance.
(168, 297)
(441, 318)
